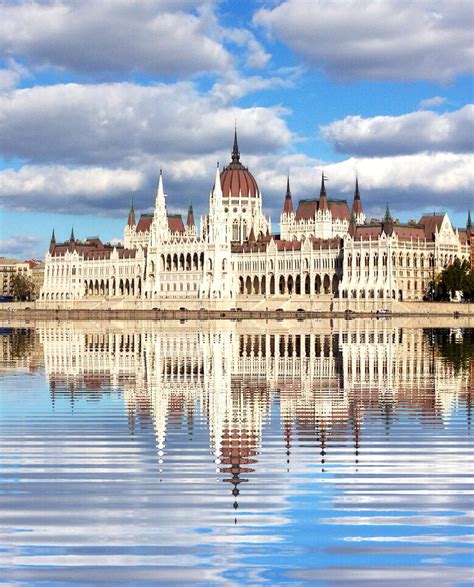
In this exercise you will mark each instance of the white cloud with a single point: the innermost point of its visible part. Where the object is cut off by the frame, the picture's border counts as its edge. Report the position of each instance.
(151, 36)
(119, 124)
(429, 103)
(375, 40)
(409, 133)
(64, 190)
(408, 183)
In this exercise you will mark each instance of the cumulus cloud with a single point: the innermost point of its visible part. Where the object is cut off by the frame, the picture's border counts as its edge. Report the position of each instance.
(64, 190)
(112, 123)
(409, 133)
(377, 40)
(409, 182)
(157, 37)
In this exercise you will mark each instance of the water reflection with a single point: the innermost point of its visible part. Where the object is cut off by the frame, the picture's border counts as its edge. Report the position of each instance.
(236, 452)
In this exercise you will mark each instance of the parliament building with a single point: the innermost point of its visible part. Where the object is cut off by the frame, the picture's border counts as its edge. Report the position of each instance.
(326, 253)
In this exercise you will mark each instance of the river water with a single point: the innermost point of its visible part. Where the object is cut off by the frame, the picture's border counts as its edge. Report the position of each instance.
(239, 453)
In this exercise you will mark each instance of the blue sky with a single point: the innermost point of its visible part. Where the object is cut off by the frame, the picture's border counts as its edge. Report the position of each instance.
(96, 97)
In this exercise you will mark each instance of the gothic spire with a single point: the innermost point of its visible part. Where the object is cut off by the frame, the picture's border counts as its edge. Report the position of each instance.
(387, 222)
(190, 220)
(217, 192)
(323, 201)
(469, 221)
(357, 204)
(160, 204)
(71, 238)
(288, 203)
(131, 214)
(52, 244)
(235, 150)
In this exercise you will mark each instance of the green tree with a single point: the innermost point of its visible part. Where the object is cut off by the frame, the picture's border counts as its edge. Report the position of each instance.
(22, 287)
(455, 278)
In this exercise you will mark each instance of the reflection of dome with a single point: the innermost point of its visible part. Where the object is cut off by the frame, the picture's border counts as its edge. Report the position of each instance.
(236, 180)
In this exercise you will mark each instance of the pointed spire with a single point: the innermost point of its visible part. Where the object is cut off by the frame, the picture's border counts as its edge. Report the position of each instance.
(469, 221)
(387, 222)
(217, 184)
(323, 201)
(235, 150)
(190, 221)
(357, 205)
(160, 202)
(52, 244)
(71, 238)
(288, 203)
(131, 214)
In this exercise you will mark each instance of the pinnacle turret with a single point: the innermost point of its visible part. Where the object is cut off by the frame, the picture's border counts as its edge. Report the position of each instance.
(190, 221)
(357, 204)
(323, 201)
(131, 215)
(288, 203)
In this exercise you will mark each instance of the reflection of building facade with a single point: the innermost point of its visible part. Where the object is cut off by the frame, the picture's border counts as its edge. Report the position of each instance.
(221, 365)
(325, 251)
(321, 383)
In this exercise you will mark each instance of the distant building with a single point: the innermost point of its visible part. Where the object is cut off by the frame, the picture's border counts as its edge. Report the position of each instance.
(326, 251)
(9, 268)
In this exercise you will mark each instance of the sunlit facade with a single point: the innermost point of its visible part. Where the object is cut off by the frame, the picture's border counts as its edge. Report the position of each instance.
(326, 251)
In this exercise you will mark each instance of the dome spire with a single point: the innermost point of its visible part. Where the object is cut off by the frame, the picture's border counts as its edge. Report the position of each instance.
(235, 150)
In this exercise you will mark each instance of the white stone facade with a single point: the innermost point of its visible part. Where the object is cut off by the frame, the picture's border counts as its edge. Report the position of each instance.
(325, 251)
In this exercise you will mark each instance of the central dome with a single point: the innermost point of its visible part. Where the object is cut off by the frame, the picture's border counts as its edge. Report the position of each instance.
(236, 180)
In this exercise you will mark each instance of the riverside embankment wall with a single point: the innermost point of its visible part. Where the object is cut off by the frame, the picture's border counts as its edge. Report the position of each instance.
(290, 309)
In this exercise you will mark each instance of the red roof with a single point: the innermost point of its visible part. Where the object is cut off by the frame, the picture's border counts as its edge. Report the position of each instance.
(144, 223)
(409, 232)
(307, 209)
(175, 223)
(237, 181)
(430, 224)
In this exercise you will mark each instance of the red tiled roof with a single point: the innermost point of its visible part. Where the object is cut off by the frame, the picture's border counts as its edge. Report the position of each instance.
(339, 209)
(234, 181)
(307, 209)
(430, 223)
(144, 223)
(175, 223)
(409, 232)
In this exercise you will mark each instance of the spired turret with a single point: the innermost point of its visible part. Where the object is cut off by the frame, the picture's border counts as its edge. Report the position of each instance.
(357, 205)
(323, 199)
(131, 215)
(288, 202)
(387, 222)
